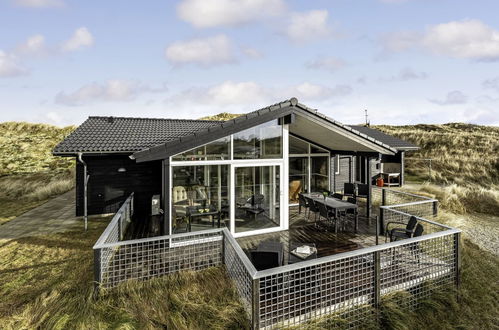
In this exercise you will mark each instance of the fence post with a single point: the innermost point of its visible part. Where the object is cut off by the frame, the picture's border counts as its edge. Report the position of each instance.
(383, 196)
(255, 305)
(120, 226)
(381, 220)
(377, 281)
(435, 208)
(457, 259)
(377, 229)
(97, 268)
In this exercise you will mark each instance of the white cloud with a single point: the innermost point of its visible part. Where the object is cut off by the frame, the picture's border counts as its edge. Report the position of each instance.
(111, 91)
(10, 66)
(201, 51)
(252, 94)
(213, 13)
(54, 117)
(330, 63)
(81, 38)
(470, 39)
(452, 98)
(34, 45)
(406, 74)
(39, 3)
(308, 26)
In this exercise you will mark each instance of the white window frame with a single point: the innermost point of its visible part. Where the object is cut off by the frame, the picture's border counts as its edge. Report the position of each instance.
(283, 164)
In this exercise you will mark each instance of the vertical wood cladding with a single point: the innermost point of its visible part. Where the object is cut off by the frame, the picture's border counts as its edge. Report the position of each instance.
(345, 175)
(108, 188)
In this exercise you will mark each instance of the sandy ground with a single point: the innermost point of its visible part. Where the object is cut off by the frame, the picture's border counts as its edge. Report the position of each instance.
(481, 229)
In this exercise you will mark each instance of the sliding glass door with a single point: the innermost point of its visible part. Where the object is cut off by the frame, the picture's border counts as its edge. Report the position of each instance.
(257, 197)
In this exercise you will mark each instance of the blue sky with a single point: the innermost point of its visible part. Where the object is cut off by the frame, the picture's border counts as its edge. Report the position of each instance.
(405, 61)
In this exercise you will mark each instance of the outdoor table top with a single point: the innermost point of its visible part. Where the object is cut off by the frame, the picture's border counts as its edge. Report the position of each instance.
(332, 202)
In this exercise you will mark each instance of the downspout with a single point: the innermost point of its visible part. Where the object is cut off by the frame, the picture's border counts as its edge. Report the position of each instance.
(85, 183)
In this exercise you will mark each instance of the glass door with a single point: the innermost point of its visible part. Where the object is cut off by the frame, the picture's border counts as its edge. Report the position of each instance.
(257, 197)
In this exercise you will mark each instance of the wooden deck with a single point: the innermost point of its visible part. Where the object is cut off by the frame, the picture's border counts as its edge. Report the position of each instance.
(327, 242)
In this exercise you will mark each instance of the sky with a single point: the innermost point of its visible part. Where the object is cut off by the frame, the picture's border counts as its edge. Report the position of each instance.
(405, 61)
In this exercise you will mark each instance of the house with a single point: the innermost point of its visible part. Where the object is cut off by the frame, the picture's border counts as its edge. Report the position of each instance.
(265, 159)
(223, 193)
(390, 167)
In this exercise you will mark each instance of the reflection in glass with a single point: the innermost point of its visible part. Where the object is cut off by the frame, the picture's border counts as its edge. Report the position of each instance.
(199, 189)
(319, 174)
(257, 198)
(298, 177)
(216, 150)
(262, 141)
(297, 146)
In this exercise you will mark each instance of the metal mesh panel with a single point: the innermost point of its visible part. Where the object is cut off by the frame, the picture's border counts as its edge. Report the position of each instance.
(418, 267)
(144, 259)
(341, 287)
(399, 219)
(239, 274)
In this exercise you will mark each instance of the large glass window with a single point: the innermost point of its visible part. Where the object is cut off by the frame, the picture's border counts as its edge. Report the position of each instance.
(257, 197)
(216, 150)
(200, 194)
(262, 141)
(319, 180)
(298, 177)
(297, 146)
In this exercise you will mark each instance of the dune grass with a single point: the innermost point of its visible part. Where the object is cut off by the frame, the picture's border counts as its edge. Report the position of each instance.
(463, 154)
(26, 148)
(46, 282)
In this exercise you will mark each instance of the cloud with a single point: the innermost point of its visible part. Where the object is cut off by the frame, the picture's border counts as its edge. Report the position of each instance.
(110, 91)
(34, 45)
(330, 64)
(491, 84)
(452, 98)
(80, 39)
(10, 66)
(201, 51)
(469, 39)
(308, 26)
(215, 13)
(231, 93)
(39, 3)
(407, 74)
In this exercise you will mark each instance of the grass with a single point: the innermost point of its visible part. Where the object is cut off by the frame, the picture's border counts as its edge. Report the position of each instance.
(463, 154)
(47, 282)
(26, 148)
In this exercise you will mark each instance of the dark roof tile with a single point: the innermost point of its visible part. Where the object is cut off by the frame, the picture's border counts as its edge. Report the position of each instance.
(390, 140)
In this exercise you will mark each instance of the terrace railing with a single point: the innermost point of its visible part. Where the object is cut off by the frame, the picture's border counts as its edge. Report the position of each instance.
(347, 287)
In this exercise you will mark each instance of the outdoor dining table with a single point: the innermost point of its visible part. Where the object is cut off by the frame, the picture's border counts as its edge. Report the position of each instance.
(337, 205)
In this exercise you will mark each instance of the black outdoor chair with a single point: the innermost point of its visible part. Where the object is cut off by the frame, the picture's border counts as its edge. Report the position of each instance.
(362, 190)
(337, 196)
(312, 207)
(416, 249)
(253, 205)
(401, 233)
(302, 202)
(325, 212)
(345, 214)
(264, 259)
(349, 189)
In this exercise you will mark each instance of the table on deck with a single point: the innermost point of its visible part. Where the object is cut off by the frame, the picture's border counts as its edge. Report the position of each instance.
(337, 205)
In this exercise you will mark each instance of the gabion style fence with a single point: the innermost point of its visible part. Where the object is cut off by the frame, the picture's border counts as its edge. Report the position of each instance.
(346, 286)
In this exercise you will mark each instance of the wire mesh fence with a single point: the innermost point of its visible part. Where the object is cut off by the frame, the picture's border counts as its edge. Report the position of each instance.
(345, 289)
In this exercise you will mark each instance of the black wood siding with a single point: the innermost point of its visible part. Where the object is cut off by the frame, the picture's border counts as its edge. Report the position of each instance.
(108, 189)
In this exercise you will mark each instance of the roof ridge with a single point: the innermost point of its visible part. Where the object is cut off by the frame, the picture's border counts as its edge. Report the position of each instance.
(150, 118)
